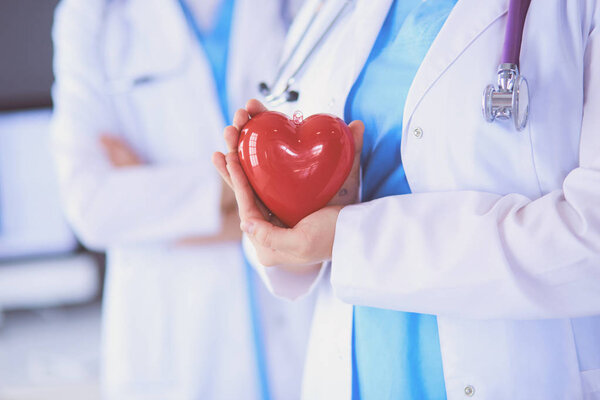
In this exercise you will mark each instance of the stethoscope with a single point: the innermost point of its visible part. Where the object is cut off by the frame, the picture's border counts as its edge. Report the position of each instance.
(286, 94)
(509, 100)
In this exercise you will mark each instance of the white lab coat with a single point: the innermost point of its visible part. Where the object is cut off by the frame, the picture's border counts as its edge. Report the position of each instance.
(176, 320)
(501, 238)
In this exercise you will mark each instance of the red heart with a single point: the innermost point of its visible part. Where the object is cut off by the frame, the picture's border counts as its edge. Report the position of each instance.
(295, 167)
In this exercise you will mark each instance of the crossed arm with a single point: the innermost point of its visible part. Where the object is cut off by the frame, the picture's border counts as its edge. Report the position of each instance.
(121, 155)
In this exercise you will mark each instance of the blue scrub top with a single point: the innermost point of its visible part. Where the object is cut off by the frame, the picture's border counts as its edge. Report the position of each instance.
(215, 44)
(396, 355)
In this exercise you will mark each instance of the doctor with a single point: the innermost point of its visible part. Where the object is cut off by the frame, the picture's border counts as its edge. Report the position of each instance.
(472, 267)
(143, 89)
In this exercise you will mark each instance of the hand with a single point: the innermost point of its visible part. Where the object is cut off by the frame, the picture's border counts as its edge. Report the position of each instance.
(119, 152)
(311, 240)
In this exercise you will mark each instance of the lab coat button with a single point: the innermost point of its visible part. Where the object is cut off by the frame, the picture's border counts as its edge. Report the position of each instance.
(418, 133)
(469, 390)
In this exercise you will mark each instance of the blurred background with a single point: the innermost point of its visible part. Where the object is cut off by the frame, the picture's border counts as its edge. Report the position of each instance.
(49, 285)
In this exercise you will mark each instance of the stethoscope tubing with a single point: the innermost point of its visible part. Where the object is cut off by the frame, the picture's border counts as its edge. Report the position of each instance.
(279, 97)
(319, 41)
(294, 50)
(513, 37)
(510, 99)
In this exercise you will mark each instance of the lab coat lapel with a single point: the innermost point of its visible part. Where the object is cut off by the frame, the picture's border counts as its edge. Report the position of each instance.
(362, 34)
(468, 19)
(343, 57)
(152, 39)
(162, 43)
(158, 40)
(255, 45)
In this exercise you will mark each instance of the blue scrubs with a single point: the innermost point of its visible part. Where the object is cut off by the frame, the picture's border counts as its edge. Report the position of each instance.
(215, 44)
(396, 355)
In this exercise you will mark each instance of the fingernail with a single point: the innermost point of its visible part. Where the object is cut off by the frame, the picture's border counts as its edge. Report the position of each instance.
(248, 227)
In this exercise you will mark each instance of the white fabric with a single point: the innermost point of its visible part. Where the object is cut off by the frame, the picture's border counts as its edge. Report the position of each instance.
(501, 238)
(176, 320)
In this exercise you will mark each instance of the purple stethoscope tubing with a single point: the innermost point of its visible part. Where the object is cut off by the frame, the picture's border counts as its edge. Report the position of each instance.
(517, 11)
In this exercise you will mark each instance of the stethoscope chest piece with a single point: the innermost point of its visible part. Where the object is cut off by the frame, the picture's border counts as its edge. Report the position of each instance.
(509, 100)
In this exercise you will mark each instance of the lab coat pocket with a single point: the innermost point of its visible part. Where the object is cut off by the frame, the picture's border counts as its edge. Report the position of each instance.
(590, 382)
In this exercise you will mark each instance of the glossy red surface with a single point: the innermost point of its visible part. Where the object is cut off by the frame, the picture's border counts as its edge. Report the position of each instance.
(295, 169)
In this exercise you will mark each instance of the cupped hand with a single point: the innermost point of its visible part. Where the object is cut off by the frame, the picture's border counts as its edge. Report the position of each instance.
(311, 240)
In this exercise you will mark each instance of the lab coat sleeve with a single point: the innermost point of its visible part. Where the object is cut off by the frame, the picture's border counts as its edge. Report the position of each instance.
(105, 205)
(480, 255)
(281, 283)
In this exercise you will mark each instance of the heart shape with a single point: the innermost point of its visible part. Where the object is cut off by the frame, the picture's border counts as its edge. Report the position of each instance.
(295, 166)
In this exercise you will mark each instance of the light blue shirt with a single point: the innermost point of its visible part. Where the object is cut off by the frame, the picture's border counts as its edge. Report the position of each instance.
(396, 355)
(215, 44)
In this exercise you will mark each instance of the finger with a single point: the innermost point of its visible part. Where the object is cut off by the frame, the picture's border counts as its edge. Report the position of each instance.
(268, 235)
(115, 152)
(218, 160)
(255, 107)
(263, 210)
(105, 140)
(119, 156)
(232, 135)
(128, 157)
(112, 141)
(109, 143)
(357, 128)
(240, 118)
(349, 192)
(244, 194)
(119, 151)
(107, 146)
(108, 137)
(228, 204)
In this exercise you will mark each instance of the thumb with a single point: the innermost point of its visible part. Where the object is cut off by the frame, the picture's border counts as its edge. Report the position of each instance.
(358, 129)
(255, 107)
